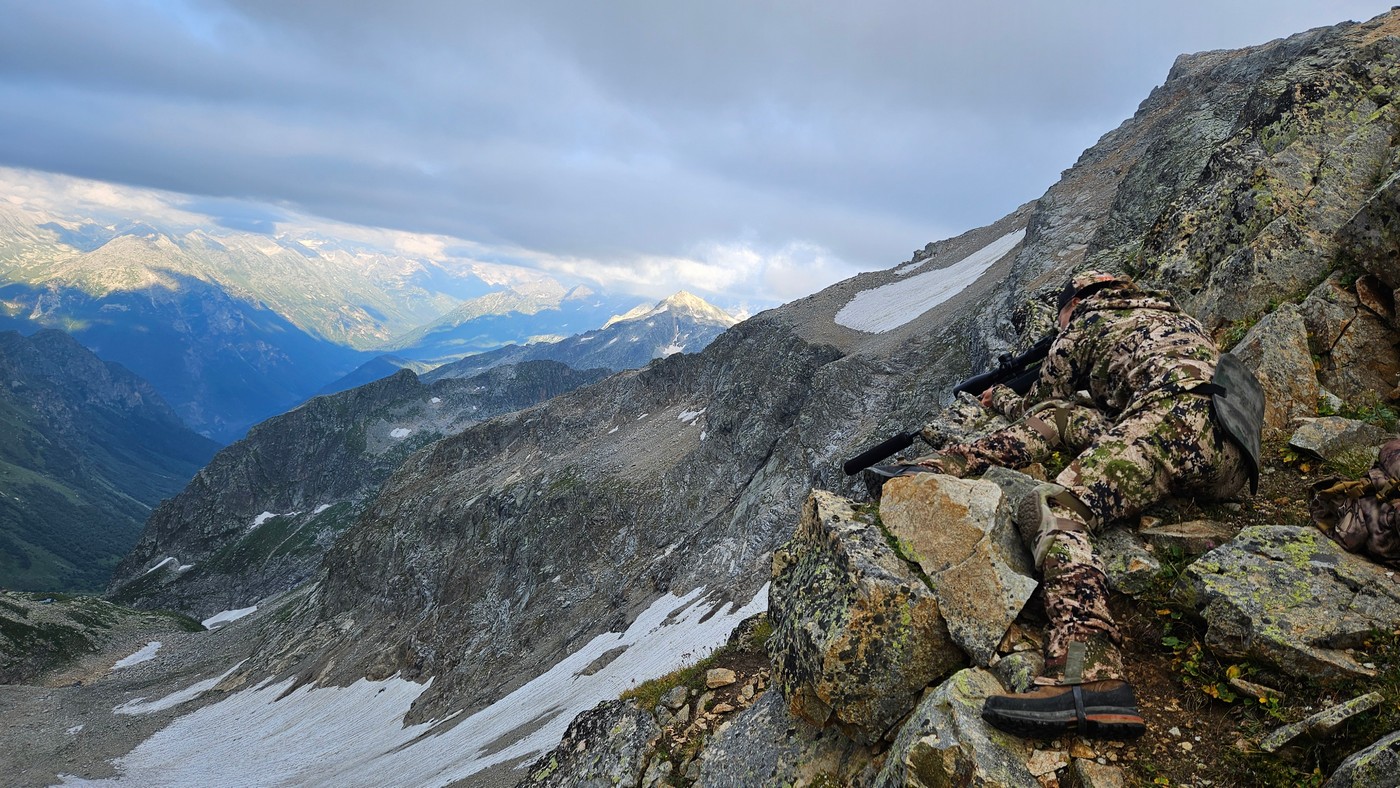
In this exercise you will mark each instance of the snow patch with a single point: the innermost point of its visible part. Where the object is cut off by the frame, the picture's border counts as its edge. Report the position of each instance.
(219, 619)
(73, 730)
(166, 560)
(689, 416)
(184, 567)
(400, 432)
(321, 508)
(262, 518)
(147, 653)
(142, 706)
(890, 306)
(611, 431)
(435, 400)
(334, 736)
(671, 350)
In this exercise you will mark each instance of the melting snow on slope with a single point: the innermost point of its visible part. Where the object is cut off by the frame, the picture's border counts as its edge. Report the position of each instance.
(166, 560)
(341, 736)
(400, 432)
(689, 416)
(321, 508)
(143, 706)
(890, 306)
(262, 518)
(219, 619)
(147, 652)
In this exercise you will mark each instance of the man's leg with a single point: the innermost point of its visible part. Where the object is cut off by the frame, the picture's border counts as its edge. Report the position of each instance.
(1050, 427)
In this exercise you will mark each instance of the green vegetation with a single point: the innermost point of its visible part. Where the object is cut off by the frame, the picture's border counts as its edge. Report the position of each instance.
(649, 693)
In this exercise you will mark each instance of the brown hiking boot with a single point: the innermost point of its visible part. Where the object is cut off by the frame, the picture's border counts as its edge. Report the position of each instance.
(1103, 709)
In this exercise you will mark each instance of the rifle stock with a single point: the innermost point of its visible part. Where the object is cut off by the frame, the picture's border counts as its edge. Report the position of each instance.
(1019, 373)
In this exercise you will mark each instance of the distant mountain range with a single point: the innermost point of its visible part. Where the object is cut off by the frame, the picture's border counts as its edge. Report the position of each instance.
(232, 327)
(683, 323)
(88, 449)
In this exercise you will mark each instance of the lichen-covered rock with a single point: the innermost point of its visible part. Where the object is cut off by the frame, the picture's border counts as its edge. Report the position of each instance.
(604, 746)
(1276, 350)
(1093, 775)
(1346, 443)
(1354, 345)
(766, 746)
(1377, 766)
(1189, 538)
(1130, 567)
(946, 742)
(1322, 723)
(857, 635)
(960, 533)
(1290, 597)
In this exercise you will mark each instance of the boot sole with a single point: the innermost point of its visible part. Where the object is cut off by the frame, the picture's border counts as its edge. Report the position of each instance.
(1103, 722)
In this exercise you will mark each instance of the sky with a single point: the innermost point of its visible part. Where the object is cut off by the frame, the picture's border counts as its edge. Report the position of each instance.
(748, 151)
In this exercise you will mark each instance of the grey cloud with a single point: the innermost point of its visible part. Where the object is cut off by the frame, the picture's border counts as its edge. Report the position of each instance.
(607, 130)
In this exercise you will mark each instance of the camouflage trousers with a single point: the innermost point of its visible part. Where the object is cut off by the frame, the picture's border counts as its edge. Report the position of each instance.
(1168, 447)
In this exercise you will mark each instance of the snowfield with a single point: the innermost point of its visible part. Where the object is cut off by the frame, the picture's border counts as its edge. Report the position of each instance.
(355, 736)
(890, 306)
(147, 653)
(219, 619)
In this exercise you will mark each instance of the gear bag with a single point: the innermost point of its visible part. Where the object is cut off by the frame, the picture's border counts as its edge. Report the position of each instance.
(1363, 515)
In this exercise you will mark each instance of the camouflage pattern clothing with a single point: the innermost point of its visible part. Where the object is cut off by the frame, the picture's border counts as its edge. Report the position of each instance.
(1114, 393)
(1363, 515)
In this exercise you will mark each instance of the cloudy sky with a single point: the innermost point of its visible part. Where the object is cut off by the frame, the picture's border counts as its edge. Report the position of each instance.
(749, 151)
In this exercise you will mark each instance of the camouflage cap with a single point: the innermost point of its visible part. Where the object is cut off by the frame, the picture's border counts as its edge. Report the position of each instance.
(1084, 283)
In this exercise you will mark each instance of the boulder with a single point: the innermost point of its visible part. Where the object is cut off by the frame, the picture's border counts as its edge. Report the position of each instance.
(1322, 723)
(857, 635)
(1131, 569)
(960, 533)
(766, 746)
(1094, 775)
(1345, 443)
(1290, 597)
(1189, 538)
(945, 741)
(1374, 767)
(1355, 345)
(1276, 350)
(604, 746)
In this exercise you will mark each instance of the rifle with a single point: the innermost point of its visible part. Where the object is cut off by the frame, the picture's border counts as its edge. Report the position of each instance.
(1018, 373)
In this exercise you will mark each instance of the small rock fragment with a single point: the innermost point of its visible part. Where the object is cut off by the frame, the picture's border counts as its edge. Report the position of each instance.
(719, 677)
(1322, 723)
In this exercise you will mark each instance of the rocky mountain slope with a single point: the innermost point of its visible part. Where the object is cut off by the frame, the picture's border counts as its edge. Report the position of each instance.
(88, 450)
(257, 519)
(516, 573)
(682, 323)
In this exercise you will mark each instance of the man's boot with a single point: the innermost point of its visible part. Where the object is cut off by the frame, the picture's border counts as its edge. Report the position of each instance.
(1104, 709)
(1087, 693)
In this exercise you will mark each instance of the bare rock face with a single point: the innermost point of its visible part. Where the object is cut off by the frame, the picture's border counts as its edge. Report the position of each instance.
(857, 635)
(946, 742)
(1289, 597)
(1352, 335)
(960, 533)
(604, 746)
(1276, 350)
(766, 747)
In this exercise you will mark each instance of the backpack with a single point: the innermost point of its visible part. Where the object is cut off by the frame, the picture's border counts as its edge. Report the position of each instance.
(1363, 515)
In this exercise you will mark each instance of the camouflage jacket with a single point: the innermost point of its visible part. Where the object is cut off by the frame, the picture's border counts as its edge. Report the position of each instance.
(1363, 515)
(1125, 348)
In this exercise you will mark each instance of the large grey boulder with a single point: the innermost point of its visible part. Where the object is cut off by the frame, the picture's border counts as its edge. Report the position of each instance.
(766, 746)
(604, 746)
(1377, 766)
(1276, 350)
(960, 533)
(946, 742)
(1346, 443)
(1354, 345)
(1290, 597)
(857, 635)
